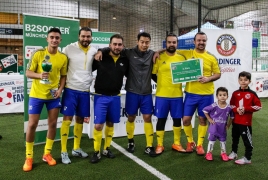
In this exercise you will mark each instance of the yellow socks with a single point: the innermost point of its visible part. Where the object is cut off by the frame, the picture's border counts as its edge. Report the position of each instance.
(177, 135)
(202, 130)
(160, 137)
(149, 133)
(64, 132)
(97, 136)
(29, 149)
(109, 132)
(78, 128)
(130, 127)
(189, 132)
(48, 146)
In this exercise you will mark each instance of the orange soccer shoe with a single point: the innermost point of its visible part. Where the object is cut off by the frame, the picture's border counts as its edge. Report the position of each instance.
(200, 150)
(178, 148)
(190, 147)
(48, 158)
(159, 149)
(28, 165)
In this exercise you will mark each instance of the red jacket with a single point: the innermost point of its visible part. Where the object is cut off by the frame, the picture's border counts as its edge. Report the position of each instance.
(249, 100)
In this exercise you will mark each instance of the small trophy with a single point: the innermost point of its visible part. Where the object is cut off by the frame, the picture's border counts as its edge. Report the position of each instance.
(46, 66)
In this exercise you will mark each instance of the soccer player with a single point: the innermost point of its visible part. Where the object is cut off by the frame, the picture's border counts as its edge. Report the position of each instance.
(139, 90)
(199, 94)
(107, 104)
(41, 94)
(169, 97)
(76, 97)
(244, 102)
(217, 114)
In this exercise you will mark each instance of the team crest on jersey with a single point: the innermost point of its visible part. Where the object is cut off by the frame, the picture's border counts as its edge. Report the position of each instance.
(247, 96)
(226, 45)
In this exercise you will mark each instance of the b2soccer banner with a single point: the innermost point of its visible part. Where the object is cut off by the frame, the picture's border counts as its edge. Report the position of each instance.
(35, 30)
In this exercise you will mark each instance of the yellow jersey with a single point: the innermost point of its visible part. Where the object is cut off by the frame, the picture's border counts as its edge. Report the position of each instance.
(165, 87)
(59, 68)
(210, 67)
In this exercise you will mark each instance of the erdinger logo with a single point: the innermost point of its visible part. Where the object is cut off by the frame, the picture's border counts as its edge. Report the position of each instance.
(226, 45)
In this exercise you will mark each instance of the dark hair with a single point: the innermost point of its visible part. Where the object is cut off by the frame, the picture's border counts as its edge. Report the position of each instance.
(223, 89)
(85, 29)
(57, 30)
(118, 36)
(200, 33)
(245, 74)
(144, 34)
(171, 35)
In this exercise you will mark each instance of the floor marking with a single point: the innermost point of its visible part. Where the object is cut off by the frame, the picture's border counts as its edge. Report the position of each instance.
(146, 166)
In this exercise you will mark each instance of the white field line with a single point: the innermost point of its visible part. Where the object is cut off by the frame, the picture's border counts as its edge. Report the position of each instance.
(140, 162)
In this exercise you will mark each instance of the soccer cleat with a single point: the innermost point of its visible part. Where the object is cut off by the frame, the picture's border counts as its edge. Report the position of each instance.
(48, 158)
(159, 149)
(28, 165)
(150, 151)
(232, 156)
(80, 153)
(190, 147)
(96, 157)
(108, 153)
(131, 146)
(65, 158)
(209, 156)
(224, 157)
(178, 148)
(200, 150)
(243, 160)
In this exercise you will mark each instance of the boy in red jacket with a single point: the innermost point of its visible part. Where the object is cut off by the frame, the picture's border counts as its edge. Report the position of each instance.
(244, 102)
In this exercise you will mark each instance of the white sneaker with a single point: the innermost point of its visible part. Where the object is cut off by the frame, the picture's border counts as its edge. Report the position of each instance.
(65, 158)
(79, 152)
(232, 156)
(243, 160)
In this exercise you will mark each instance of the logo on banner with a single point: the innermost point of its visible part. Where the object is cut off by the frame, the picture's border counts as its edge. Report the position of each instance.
(5, 96)
(226, 45)
(9, 61)
(30, 49)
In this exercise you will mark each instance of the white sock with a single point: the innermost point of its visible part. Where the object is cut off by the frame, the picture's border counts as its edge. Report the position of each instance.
(223, 146)
(210, 146)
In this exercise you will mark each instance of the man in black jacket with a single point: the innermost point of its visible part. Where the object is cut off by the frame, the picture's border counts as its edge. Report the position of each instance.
(107, 104)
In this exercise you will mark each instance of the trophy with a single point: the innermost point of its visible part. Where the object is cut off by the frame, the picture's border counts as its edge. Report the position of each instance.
(46, 66)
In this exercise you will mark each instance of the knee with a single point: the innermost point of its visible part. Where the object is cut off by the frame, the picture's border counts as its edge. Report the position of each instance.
(186, 120)
(98, 127)
(147, 117)
(109, 124)
(131, 118)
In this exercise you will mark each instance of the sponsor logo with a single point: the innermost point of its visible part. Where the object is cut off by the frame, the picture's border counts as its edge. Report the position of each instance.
(226, 45)
(247, 96)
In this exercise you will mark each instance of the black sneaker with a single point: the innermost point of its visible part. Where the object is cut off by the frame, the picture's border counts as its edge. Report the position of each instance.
(150, 151)
(131, 146)
(108, 153)
(96, 157)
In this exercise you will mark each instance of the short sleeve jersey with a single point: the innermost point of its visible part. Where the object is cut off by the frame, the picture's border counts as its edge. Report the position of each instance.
(59, 68)
(165, 87)
(210, 67)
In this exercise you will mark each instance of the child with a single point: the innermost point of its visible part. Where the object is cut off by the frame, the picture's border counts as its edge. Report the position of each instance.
(217, 114)
(244, 102)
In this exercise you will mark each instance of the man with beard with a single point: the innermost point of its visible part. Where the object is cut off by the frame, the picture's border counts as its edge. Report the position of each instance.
(169, 97)
(199, 94)
(76, 97)
(107, 103)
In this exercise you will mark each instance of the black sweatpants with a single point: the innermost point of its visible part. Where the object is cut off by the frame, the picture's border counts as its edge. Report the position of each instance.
(246, 133)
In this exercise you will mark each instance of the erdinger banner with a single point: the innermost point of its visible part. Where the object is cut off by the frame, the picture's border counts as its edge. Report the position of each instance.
(233, 50)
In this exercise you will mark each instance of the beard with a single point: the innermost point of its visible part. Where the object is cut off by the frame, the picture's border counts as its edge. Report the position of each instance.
(171, 49)
(115, 52)
(84, 43)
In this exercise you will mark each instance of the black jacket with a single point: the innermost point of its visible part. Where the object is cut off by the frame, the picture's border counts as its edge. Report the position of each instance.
(110, 75)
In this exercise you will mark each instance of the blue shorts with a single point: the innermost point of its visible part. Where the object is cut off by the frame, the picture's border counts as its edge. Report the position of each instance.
(36, 105)
(75, 103)
(165, 105)
(135, 101)
(193, 101)
(106, 108)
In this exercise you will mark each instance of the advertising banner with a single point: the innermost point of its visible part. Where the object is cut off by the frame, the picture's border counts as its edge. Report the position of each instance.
(35, 30)
(233, 50)
(8, 63)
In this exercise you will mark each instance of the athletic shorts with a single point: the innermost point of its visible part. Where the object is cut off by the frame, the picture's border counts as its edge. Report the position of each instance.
(165, 105)
(75, 103)
(214, 137)
(193, 101)
(106, 108)
(135, 101)
(36, 105)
